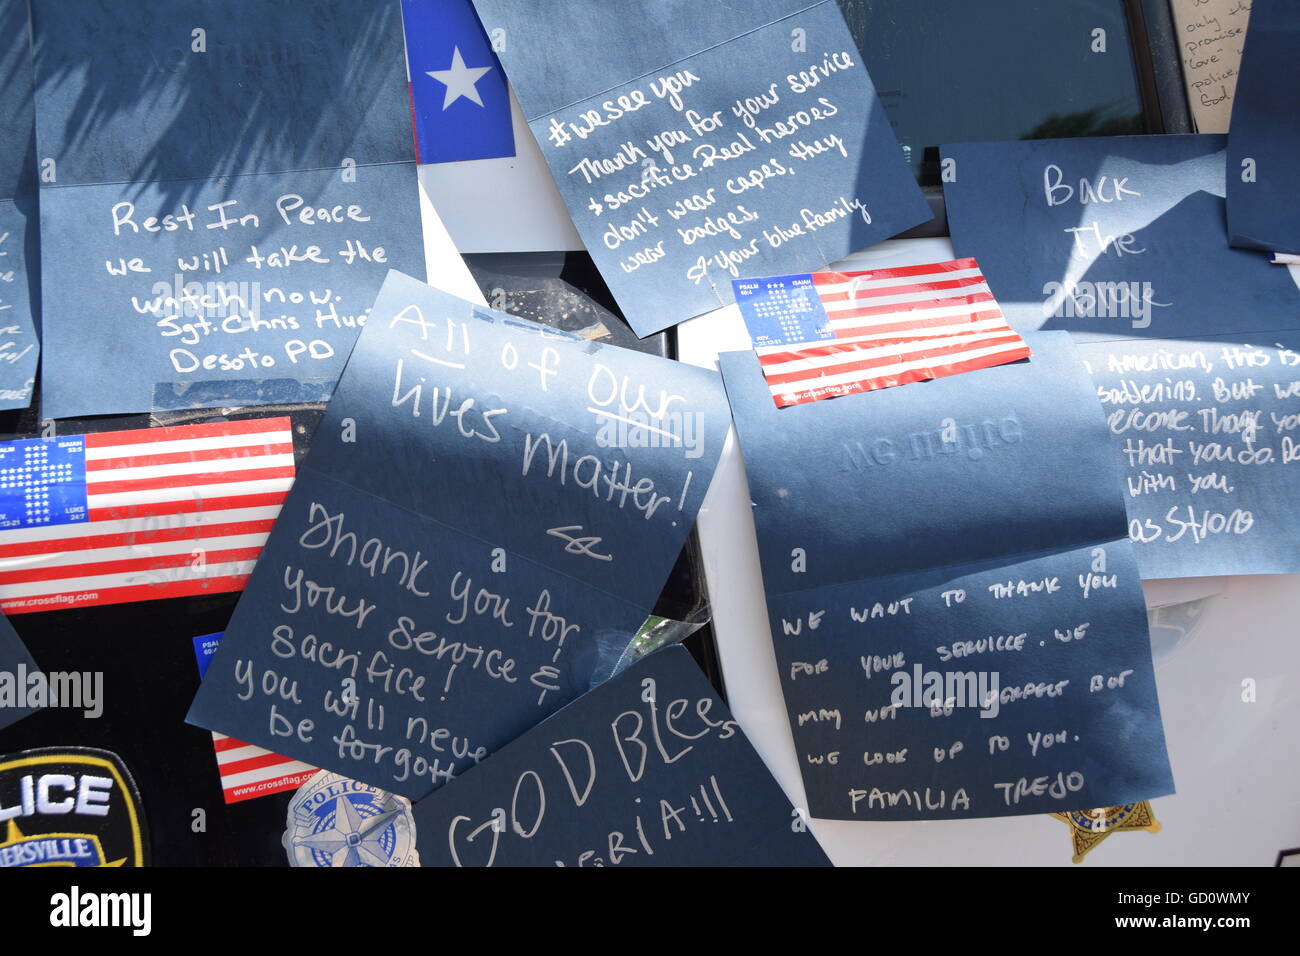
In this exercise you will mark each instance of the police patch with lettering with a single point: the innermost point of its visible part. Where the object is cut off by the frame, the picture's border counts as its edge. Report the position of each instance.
(70, 806)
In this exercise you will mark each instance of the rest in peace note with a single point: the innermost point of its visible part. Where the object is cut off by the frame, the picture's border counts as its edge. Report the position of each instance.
(1194, 346)
(224, 186)
(695, 143)
(485, 518)
(649, 769)
(956, 612)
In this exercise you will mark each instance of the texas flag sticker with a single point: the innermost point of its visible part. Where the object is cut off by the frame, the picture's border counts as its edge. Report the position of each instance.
(458, 91)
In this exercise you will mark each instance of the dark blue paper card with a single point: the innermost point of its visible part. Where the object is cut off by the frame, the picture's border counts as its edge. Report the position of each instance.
(198, 89)
(694, 143)
(261, 309)
(1208, 438)
(19, 258)
(956, 612)
(224, 186)
(649, 769)
(16, 669)
(458, 90)
(1123, 242)
(486, 516)
(1264, 139)
(1110, 238)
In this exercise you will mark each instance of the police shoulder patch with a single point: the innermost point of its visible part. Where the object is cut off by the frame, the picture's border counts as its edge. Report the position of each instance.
(70, 806)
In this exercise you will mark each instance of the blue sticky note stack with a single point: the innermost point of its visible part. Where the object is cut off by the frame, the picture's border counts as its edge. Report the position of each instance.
(955, 608)
(649, 769)
(1194, 346)
(225, 185)
(1264, 139)
(19, 257)
(485, 518)
(694, 143)
(458, 90)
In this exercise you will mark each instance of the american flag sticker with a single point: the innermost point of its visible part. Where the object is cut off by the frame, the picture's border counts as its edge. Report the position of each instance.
(825, 334)
(247, 771)
(138, 515)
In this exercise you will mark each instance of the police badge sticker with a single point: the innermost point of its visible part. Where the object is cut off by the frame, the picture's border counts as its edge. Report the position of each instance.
(1090, 827)
(335, 821)
(70, 806)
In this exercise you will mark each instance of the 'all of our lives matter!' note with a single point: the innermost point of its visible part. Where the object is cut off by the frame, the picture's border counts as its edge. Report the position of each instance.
(19, 261)
(695, 143)
(1210, 36)
(485, 518)
(1194, 346)
(649, 769)
(224, 186)
(956, 611)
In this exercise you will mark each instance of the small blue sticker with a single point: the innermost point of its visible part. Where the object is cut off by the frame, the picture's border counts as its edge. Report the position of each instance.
(782, 310)
(205, 648)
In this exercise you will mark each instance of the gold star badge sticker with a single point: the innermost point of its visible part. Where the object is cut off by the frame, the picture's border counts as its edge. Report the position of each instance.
(1090, 827)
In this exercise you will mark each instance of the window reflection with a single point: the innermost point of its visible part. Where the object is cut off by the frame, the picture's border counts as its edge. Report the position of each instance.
(952, 71)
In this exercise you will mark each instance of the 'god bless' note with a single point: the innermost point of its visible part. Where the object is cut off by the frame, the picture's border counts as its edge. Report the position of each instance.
(697, 142)
(648, 769)
(485, 518)
(956, 612)
(224, 186)
(1194, 346)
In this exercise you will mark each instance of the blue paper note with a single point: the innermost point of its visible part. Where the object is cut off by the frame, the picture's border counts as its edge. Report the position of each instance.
(16, 669)
(694, 143)
(1112, 237)
(1123, 242)
(649, 769)
(1208, 434)
(485, 518)
(458, 90)
(19, 259)
(224, 186)
(944, 551)
(1264, 139)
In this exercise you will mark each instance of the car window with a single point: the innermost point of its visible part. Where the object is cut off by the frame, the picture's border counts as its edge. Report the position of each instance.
(952, 71)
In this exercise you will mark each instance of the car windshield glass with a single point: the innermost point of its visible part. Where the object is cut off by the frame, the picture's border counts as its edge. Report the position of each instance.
(951, 71)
